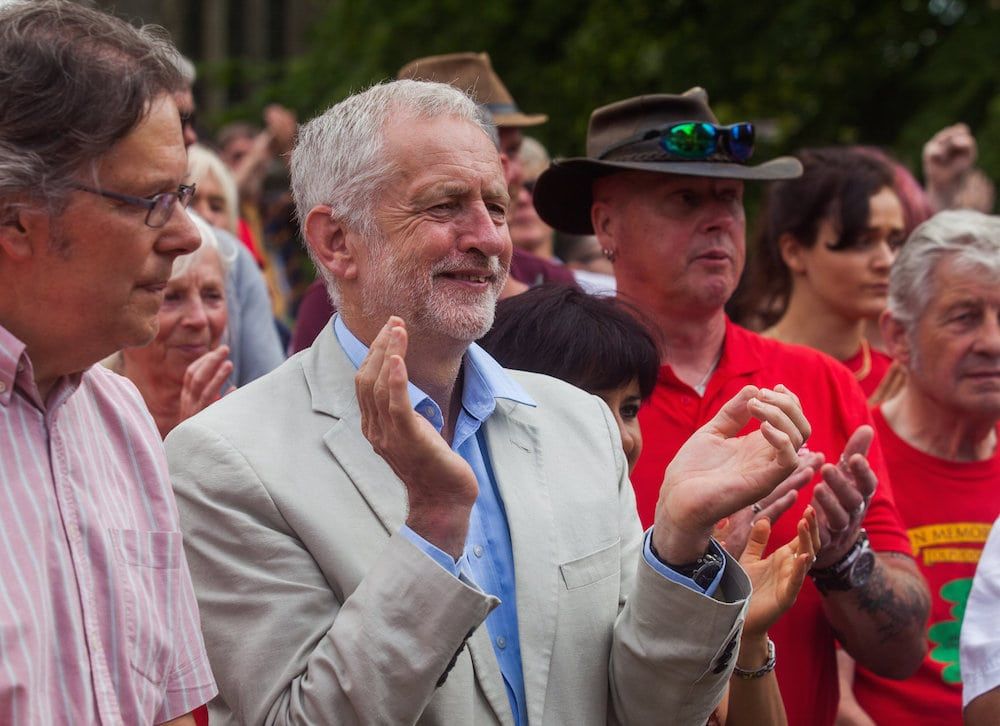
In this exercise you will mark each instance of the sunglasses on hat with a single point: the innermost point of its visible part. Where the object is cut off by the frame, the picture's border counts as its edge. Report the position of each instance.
(698, 141)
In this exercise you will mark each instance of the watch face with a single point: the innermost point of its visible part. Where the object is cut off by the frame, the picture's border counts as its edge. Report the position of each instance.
(862, 568)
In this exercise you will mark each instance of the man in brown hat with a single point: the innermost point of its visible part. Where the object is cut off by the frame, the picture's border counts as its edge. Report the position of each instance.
(474, 74)
(662, 188)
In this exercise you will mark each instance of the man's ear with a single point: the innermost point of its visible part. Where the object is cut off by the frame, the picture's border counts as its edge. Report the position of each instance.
(20, 228)
(895, 338)
(327, 237)
(792, 252)
(603, 220)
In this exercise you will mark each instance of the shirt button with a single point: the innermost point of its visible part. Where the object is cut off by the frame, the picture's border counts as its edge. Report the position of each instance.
(477, 550)
(501, 642)
(3, 386)
(20, 367)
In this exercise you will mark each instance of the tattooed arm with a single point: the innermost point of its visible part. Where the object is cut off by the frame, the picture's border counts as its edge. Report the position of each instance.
(882, 624)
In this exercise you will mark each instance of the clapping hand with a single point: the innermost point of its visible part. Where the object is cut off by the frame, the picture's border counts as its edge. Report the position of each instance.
(733, 532)
(778, 578)
(842, 498)
(717, 472)
(440, 485)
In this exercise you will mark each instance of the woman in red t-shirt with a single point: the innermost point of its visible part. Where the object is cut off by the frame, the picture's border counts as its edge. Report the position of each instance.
(821, 268)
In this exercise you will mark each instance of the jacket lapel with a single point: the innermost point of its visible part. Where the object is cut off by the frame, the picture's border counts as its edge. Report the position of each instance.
(330, 377)
(515, 454)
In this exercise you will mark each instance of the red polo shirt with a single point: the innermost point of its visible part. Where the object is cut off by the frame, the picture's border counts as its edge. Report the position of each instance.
(835, 406)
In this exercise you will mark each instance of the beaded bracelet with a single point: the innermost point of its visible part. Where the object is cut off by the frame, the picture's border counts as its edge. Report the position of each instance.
(763, 670)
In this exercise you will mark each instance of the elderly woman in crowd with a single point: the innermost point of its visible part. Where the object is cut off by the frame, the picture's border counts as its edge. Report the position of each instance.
(821, 269)
(185, 367)
(597, 343)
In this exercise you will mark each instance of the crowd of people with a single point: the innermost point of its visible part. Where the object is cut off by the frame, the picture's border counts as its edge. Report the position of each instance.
(388, 417)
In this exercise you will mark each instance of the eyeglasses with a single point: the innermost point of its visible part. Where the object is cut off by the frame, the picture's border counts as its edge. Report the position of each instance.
(160, 206)
(699, 141)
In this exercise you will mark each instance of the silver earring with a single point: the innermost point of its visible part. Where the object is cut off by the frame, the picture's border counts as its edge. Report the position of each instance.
(610, 254)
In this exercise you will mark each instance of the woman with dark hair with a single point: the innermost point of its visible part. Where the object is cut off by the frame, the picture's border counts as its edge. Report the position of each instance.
(826, 244)
(598, 344)
(595, 343)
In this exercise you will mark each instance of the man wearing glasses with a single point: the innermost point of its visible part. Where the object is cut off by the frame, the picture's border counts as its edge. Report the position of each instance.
(98, 619)
(662, 188)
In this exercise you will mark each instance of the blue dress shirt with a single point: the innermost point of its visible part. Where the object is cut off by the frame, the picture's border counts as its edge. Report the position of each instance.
(488, 559)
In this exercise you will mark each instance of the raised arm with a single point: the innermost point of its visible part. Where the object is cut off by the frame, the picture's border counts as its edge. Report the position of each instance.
(879, 607)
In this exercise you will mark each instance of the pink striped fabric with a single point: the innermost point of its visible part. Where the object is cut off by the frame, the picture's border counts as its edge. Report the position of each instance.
(98, 621)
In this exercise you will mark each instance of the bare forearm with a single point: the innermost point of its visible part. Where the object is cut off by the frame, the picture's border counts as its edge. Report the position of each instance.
(984, 710)
(758, 701)
(882, 623)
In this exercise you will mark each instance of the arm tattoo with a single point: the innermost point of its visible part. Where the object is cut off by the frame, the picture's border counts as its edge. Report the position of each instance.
(895, 599)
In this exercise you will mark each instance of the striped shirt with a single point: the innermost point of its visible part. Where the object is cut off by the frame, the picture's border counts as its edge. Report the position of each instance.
(98, 621)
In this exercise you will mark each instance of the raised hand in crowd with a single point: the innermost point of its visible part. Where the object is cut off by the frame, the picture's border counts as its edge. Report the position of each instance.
(204, 380)
(948, 159)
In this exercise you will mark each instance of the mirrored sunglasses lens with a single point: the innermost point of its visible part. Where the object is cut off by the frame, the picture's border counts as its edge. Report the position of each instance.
(691, 140)
(741, 139)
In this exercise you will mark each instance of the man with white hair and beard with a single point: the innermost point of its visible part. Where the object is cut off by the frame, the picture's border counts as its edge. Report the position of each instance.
(413, 488)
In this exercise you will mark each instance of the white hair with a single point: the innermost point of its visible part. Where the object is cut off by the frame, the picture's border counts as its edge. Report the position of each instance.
(339, 159)
(970, 239)
(202, 161)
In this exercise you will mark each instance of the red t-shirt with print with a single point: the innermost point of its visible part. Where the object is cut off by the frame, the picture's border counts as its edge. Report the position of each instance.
(947, 508)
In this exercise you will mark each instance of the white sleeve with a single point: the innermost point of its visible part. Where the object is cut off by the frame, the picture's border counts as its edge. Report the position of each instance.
(980, 641)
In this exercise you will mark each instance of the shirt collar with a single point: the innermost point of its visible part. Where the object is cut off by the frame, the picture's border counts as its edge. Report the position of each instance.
(742, 354)
(484, 379)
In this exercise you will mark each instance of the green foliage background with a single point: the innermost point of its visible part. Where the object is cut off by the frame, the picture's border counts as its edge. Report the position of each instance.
(816, 72)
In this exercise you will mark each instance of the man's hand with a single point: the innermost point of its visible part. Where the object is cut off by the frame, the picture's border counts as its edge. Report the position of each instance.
(440, 484)
(732, 532)
(717, 473)
(777, 579)
(842, 498)
(947, 158)
(203, 381)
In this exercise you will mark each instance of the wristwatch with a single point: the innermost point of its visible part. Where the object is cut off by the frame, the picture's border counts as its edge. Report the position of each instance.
(851, 571)
(703, 570)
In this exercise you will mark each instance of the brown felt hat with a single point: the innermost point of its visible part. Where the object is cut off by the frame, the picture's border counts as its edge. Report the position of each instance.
(472, 73)
(624, 136)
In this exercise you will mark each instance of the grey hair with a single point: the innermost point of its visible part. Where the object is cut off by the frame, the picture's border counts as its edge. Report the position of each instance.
(202, 162)
(970, 239)
(339, 159)
(75, 81)
(224, 247)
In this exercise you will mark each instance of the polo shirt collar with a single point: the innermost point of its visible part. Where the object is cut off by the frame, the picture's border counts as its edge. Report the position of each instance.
(742, 354)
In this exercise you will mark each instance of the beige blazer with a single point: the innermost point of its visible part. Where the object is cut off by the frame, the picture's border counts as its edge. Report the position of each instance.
(315, 610)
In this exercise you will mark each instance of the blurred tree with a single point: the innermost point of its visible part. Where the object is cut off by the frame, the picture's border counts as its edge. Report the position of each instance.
(810, 72)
